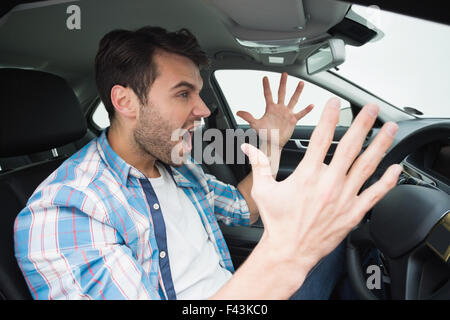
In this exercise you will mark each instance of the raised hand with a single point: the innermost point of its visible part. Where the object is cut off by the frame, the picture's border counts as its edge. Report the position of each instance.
(278, 115)
(308, 214)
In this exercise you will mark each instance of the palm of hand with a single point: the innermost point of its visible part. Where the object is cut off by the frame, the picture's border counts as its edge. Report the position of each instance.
(309, 213)
(278, 116)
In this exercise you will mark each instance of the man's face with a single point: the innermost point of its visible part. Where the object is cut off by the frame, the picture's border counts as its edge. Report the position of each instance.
(173, 102)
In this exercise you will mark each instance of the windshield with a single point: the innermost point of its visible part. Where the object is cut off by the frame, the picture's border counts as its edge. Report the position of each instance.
(408, 67)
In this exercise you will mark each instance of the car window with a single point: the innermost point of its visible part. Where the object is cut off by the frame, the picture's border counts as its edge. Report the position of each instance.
(243, 91)
(411, 77)
(100, 116)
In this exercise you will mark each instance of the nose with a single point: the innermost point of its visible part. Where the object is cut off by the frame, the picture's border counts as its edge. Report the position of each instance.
(200, 109)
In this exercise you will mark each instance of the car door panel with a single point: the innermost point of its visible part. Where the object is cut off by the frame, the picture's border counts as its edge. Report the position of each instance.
(241, 240)
(296, 147)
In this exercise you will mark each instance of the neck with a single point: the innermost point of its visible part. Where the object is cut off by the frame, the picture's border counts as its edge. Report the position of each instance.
(123, 144)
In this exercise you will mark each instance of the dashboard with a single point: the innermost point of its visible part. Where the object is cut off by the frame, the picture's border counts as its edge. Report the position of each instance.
(432, 159)
(429, 162)
(422, 147)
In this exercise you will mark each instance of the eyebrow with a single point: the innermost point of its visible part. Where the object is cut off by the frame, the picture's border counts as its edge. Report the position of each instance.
(184, 84)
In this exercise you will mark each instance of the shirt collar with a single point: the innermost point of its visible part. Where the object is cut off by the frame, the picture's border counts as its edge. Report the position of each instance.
(182, 176)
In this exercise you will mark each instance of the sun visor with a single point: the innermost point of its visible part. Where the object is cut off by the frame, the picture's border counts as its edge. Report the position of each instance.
(277, 30)
(261, 22)
(264, 15)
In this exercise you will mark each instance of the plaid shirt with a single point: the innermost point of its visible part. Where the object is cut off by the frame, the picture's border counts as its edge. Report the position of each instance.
(94, 229)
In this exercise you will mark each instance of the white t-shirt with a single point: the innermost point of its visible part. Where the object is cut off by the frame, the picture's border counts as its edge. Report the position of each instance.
(194, 262)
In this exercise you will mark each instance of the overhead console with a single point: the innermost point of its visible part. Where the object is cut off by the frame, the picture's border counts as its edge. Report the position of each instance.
(281, 32)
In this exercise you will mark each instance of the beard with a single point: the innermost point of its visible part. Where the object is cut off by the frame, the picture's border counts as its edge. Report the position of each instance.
(153, 134)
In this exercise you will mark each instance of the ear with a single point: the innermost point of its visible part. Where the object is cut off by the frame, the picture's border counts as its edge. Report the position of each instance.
(124, 101)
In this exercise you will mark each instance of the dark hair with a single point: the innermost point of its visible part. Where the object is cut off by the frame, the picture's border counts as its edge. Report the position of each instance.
(126, 58)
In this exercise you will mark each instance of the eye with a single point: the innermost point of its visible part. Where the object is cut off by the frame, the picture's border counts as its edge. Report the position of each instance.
(184, 95)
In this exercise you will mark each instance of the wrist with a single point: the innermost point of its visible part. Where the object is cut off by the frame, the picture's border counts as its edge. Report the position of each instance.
(293, 258)
(289, 267)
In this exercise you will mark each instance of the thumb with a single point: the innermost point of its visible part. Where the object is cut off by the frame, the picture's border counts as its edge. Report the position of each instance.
(262, 172)
(247, 116)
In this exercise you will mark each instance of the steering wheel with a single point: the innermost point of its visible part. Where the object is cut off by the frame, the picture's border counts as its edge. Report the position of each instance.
(410, 226)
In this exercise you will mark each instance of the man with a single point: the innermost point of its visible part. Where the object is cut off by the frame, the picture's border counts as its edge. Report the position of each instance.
(120, 219)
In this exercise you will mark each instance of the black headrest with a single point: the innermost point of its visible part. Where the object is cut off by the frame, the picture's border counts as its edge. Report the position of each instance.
(38, 111)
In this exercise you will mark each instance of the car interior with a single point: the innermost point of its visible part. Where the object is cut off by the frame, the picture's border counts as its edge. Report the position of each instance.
(50, 98)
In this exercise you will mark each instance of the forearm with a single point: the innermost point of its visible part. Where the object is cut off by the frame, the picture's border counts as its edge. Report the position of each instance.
(245, 186)
(265, 275)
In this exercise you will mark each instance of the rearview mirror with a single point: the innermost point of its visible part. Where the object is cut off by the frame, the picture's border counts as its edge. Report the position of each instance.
(327, 56)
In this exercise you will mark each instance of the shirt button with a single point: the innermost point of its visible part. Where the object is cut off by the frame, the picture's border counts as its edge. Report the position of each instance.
(156, 206)
(162, 254)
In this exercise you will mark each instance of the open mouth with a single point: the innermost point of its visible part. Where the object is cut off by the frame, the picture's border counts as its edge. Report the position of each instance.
(187, 137)
(187, 140)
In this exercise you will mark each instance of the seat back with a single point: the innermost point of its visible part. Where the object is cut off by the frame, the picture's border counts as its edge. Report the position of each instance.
(39, 112)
